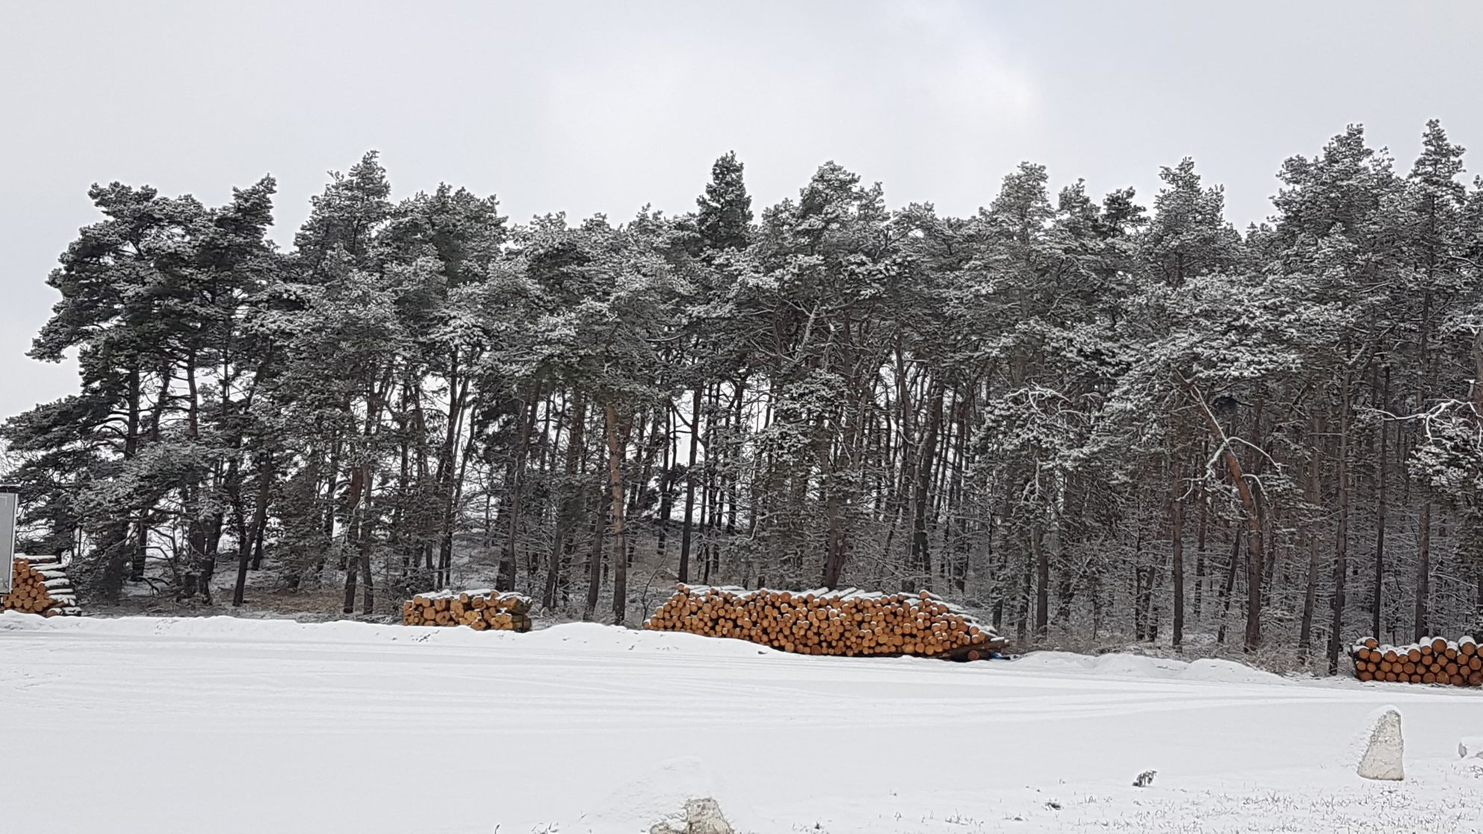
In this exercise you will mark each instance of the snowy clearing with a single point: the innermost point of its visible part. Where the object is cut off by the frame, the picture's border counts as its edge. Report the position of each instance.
(232, 725)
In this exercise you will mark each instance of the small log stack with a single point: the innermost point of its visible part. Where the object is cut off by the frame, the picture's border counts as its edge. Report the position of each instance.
(40, 586)
(481, 610)
(1432, 660)
(843, 623)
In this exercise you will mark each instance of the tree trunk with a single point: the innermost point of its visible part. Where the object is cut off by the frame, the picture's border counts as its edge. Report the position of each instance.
(1176, 546)
(571, 499)
(594, 558)
(367, 534)
(244, 549)
(1423, 569)
(1202, 526)
(1378, 598)
(1423, 544)
(266, 472)
(684, 573)
(1042, 579)
(1228, 590)
(352, 566)
(1341, 554)
(733, 491)
(1310, 599)
(447, 477)
(131, 447)
(921, 558)
(666, 489)
(1253, 517)
(620, 536)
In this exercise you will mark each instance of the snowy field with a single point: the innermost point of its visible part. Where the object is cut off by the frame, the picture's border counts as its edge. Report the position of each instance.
(225, 725)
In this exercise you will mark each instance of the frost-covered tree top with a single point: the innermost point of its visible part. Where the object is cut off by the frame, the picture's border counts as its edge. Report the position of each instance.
(1085, 415)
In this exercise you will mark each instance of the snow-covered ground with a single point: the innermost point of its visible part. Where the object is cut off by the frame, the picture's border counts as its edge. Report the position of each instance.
(228, 725)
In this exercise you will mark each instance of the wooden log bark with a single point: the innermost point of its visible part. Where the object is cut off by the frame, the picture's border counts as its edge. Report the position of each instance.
(39, 585)
(1431, 660)
(481, 610)
(843, 623)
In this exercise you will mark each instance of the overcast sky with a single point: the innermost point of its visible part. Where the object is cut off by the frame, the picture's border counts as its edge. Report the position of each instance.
(604, 106)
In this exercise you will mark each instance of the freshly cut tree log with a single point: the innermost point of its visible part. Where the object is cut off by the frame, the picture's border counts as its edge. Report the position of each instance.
(40, 586)
(846, 623)
(481, 610)
(1433, 660)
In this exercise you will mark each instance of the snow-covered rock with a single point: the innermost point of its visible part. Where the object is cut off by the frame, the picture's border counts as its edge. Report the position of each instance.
(1136, 666)
(1470, 747)
(702, 816)
(1384, 754)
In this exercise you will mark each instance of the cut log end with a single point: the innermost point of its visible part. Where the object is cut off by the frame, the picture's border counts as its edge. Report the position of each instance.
(39, 586)
(849, 623)
(1432, 660)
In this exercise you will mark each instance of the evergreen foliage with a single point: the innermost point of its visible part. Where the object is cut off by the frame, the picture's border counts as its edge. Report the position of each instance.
(1086, 418)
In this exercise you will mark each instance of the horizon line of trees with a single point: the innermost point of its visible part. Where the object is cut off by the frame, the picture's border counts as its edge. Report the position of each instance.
(1080, 416)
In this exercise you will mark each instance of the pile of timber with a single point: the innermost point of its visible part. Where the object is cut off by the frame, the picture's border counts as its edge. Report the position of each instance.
(481, 610)
(40, 586)
(849, 623)
(1432, 660)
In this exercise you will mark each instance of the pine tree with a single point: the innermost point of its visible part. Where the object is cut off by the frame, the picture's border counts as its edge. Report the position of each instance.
(1069, 413)
(724, 216)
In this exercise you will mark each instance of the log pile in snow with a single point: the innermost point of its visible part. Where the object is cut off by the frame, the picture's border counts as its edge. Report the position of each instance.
(850, 623)
(480, 610)
(40, 586)
(1432, 660)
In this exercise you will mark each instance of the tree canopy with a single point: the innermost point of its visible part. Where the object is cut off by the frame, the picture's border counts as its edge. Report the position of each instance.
(1090, 419)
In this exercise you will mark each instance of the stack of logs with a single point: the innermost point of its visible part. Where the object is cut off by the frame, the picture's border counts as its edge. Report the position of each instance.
(849, 623)
(1433, 660)
(480, 610)
(40, 586)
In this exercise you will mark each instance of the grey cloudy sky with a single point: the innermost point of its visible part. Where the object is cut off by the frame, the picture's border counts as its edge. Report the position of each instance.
(605, 106)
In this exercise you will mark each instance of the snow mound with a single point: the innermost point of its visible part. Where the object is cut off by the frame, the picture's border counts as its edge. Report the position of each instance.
(1228, 671)
(658, 795)
(606, 637)
(214, 627)
(593, 637)
(565, 636)
(1139, 666)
